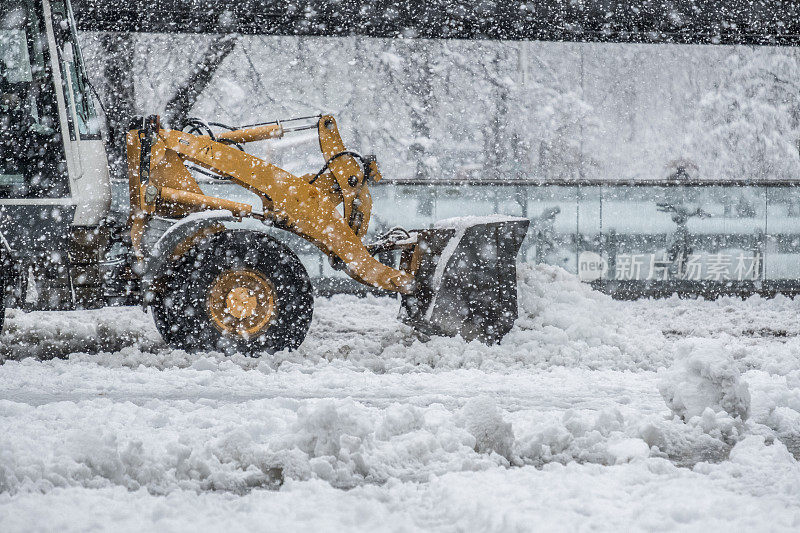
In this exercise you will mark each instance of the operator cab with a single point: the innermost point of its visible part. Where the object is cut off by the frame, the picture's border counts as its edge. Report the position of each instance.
(50, 132)
(54, 182)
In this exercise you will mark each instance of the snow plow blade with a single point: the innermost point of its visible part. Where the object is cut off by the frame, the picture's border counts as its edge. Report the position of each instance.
(466, 277)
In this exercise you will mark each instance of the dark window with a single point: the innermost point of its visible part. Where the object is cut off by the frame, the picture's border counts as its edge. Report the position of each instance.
(31, 154)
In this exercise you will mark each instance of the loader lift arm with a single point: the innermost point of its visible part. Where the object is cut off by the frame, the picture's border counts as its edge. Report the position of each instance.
(305, 205)
(458, 278)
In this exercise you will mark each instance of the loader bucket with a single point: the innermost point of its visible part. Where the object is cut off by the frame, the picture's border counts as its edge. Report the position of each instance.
(466, 278)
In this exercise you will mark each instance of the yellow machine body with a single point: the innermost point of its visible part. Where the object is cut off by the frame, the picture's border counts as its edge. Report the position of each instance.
(305, 205)
(455, 279)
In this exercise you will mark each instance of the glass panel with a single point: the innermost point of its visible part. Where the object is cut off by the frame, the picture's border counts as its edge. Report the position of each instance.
(589, 239)
(15, 72)
(684, 233)
(613, 232)
(30, 151)
(728, 235)
(15, 65)
(551, 239)
(634, 230)
(410, 206)
(88, 123)
(782, 260)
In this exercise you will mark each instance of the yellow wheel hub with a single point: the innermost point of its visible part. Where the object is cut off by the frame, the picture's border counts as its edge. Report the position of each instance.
(241, 302)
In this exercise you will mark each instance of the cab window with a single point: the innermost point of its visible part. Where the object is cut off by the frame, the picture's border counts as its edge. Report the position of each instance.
(31, 155)
(89, 126)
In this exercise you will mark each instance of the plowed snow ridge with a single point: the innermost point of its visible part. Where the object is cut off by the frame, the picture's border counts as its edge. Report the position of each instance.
(591, 412)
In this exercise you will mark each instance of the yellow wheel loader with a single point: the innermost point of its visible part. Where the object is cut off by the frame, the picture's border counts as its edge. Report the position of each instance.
(210, 281)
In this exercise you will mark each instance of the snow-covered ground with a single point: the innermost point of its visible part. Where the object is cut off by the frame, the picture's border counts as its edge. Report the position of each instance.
(592, 414)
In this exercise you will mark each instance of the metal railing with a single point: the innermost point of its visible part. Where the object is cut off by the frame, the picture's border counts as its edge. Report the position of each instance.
(627, 238)
(633, 238)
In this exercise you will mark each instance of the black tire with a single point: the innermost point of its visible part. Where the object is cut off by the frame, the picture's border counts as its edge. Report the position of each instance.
(165, 319)
(163, 308)
(7, 278)
(185, 315)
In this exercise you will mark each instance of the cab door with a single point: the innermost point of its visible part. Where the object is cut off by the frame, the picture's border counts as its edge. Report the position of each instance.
(31, 152)
(36, 207)
(85, 149)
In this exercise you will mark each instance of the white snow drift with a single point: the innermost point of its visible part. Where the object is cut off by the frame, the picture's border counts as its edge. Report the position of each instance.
(568, 423)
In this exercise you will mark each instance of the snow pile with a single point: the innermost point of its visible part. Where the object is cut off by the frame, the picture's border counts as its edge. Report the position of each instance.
(566, 423)
(50, 334)
(627, 450)
(575, 436)
(609, 436)
(758, 489)
(167, 446)
(164, 446)
(724, 317)
(709, 404)
(331, 439)
(484, 421)
(564, 322)
(561, 322)
(759, 467)
(775, 405)
(708, 438)
(704, 377)
(347, 443)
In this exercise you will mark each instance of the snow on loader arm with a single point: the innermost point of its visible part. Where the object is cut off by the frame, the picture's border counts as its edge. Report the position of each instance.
(211, 287)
